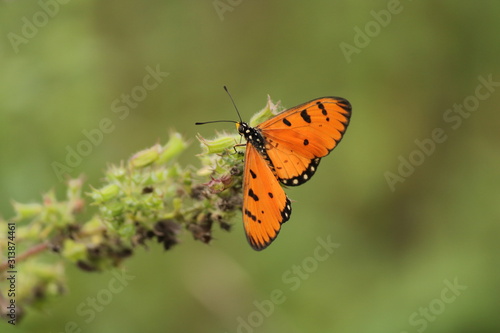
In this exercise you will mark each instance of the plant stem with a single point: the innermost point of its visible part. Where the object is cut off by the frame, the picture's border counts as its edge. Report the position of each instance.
(25, 255)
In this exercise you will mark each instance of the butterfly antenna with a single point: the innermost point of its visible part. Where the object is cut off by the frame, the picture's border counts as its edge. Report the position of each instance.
(223, 121)
(234, 104)
(216, 121)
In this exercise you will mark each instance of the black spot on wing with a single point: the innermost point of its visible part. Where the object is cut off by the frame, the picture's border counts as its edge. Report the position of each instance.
(250, 215)
(305, 116)
(252, 195)
(285, 213)
(287, 122)
(253, 174)
(322, 108)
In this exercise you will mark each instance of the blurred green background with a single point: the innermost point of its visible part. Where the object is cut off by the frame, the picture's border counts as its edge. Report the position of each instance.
(419, 255)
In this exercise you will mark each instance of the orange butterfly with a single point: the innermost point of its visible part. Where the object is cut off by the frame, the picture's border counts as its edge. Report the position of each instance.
(286, 148)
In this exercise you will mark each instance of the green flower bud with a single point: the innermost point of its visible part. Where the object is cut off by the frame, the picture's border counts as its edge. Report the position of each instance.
(218, 185)
(173, 148)
(54, 289)
(26, 211)
(74, 188)
(74, 251)
(55, 214)
(152, 203)
(145, 157)
(29, 232)
(218, 145)
(269, 111)
(112, 209)
(117, 173)
(173, 172)
(159, 176)
(126, 230)
(91, 226)
(106, 193)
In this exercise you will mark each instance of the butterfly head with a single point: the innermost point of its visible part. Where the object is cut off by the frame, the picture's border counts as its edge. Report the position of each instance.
(242, 128)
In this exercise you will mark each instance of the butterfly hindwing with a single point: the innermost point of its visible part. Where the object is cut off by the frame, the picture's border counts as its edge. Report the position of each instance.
(297, 138)
(265, 204)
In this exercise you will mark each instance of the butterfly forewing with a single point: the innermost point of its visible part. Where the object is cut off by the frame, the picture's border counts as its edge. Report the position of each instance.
(297, 138)
(265, 204)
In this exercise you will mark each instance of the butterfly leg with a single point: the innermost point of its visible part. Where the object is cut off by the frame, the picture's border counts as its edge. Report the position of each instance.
(238, 145)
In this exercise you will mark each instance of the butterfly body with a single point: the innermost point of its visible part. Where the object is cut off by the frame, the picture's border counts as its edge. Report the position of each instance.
(285, 149)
